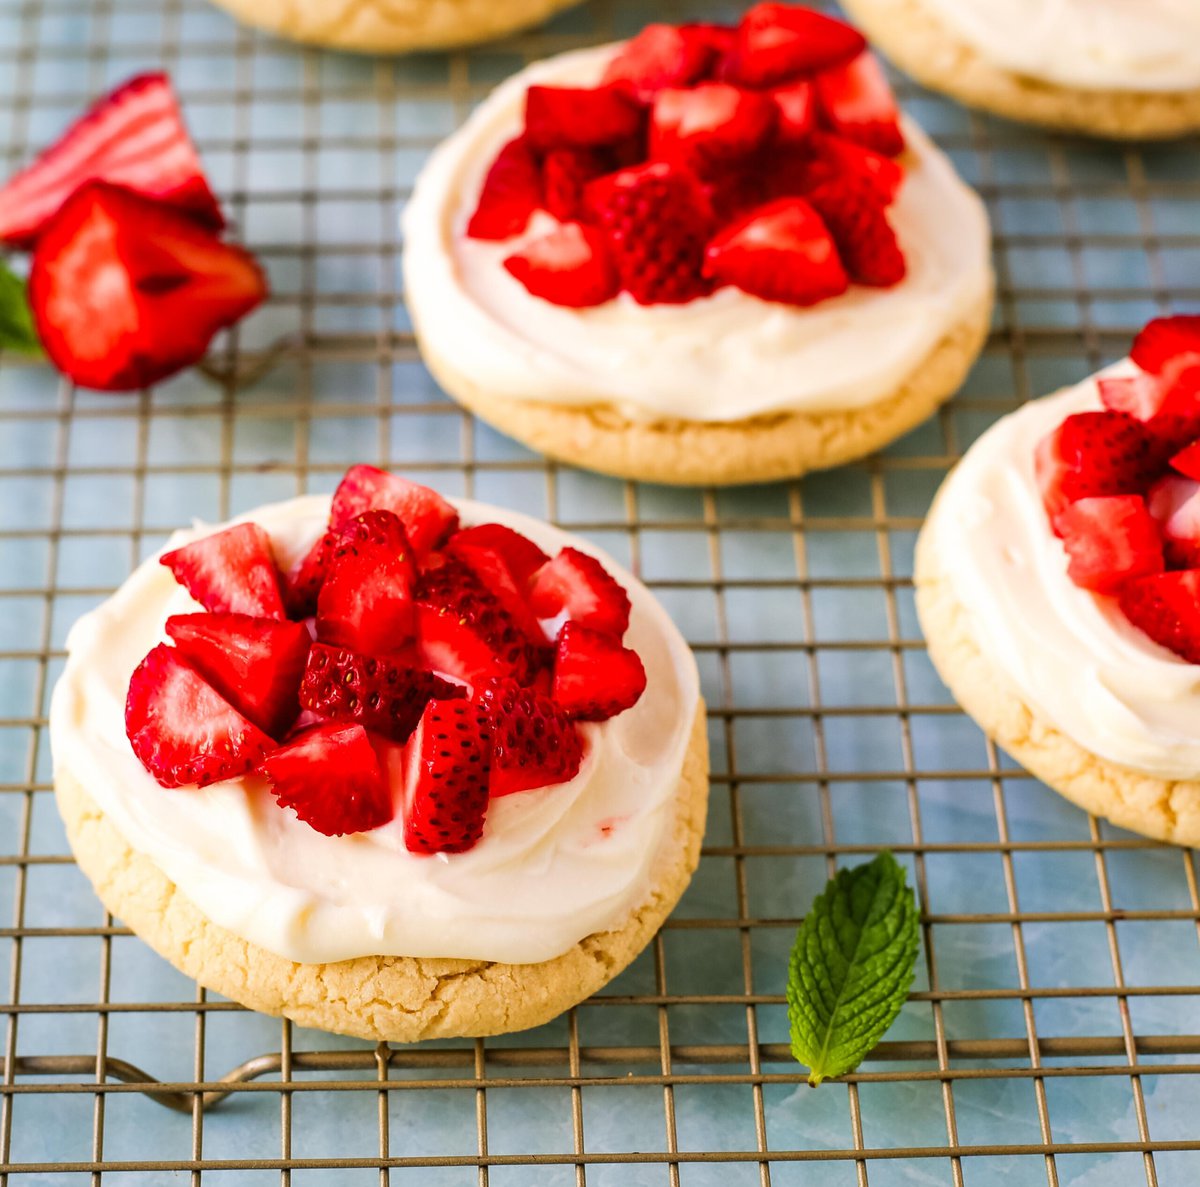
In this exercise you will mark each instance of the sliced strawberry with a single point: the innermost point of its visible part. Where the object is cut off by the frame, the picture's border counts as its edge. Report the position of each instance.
(1187, 460)
(522, 556)
(330, 777)
(1174, 502)
(595, 677)
(857, 220)
(707, 126)
(662, 56)
(511, 192)
(1168, 346)
(1140, 396)
(446, 792)
(125, 290)
(230, 572)
(494, 571)
(580, 117)
(254, 663)
(1165, 608)
(720, 39)
(779, 252)
(658, 221)
(450, 647)
(578, 585)
(427, 518)
(856, 102)
(533, 742)
(302, 583)
(837, 157)
(776, 43)
(570, 266)
(1109, 539)
(565, 176)
(133, 137)
(796, 111)
(366, 601)
(182, 730)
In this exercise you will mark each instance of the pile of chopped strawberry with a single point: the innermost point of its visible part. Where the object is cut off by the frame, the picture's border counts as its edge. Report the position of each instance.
(404, 665)
(1121, 487)
(758, 156)
(129, 280)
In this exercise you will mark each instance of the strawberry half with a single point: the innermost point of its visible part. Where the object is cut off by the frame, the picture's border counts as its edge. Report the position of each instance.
(330, 777)
(427, 518)
(254, 663)
(1109, 539)
(125, 290)
(578, 585)
(134, 137)
(1174, 502)
(856, 102)
(662, 56)
(776, 43)
(1165, 608)
(857, 220)
(580, 117)
(230, 572)
(533, 742)
(511, 192)
(595, 677)
(779, 252)
(708, 125)
(182, 730)
(446, 794)
(570, 265)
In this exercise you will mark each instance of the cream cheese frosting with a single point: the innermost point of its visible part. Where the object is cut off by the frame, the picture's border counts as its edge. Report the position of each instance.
(721, 358)
(1070, 655)
(555, 864)
(1126, 45)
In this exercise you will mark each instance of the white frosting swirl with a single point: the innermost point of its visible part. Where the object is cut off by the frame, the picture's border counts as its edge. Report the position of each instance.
(1125, 45)
(1070, 655)
(554, 865)
(720, 358)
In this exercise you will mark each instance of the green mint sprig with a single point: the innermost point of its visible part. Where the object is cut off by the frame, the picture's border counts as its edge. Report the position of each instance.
(17, 331)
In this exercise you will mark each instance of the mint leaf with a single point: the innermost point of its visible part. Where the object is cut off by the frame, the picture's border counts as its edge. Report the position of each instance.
(16, 322)
(851, 967)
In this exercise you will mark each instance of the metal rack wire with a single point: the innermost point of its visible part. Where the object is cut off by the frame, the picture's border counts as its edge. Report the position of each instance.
(1052, 1034)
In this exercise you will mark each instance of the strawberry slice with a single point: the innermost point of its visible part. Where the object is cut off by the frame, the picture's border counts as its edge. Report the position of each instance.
(796, 111)
(709, 125)
(595, 677)
(1165, 608)
(658, 220)
(569, 266)
(134, 137)
(427, 518)
(522, 556)
(533, 742)
(182, 730)
(330, 777)
(491, 565)
(779, 252)
(1174, 502)
(565, 176)
(1109, 539)
(125, 290)
(446, 792)
(254, 663)
(511, 192)
(302, 583)
(857, 219)
(856, 102)
(1187, 460)
(230, 572)
(580, 117)
(834, 157)
(366, 600)
(662, 56)
(578, 585)
(1167, 346)
(776, 43)
(1140, 396)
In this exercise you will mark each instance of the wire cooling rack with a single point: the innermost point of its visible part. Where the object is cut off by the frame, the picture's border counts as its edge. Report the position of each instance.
(1052, 1033)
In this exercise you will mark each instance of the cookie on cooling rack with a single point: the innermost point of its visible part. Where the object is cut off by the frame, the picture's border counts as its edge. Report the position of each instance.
(388, 766)
(708, 255)
(1109, 68)
(1058, 585)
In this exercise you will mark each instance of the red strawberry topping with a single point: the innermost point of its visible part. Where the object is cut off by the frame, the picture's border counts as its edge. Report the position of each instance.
(1187, 460)
(578, 585)
(1168, 346)
(565, 175)
(533, 742)
(857, 220)
(427, 518)
(662, 56)
(505, 579)
(595, 677)
(709, 124)
(796, 111)
(570, 266)
(1174, 502)
(512, 191)
(230, 572)
(580, 117)
(833, 158)
(302, 583)
(1164, 607)
(776, 43)
(522, 556)
(1109, 539)
(856, 102)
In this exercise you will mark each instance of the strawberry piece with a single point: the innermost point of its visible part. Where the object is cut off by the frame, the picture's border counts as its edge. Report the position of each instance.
(330, 777)
(578, 585)
(1109, 539)
(1175, 503)
(856, 102)
(1094, 453)
(796, 111)
(580, 117)
(427, 518)
(565, 175)
(254, 663)
(779, 252)
(378, 692)
(658, 221)
(1187, 460)
(662, 56)
(182, 730)
(720, 39)
(857, 220)
(522, 556)
(533, 742)
(511, 192)
(125, 290)
(495, 572)
(302, 583)
(776, 43)
(1167, 346)
(230, 572)
(569, 266)
(595, 677)
(134, 137)
(709, 125)
(446, 792)
(366, 601)
(1164, 607)
(1140, 396)
(835, 157)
